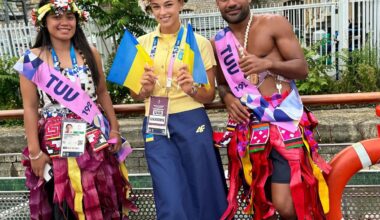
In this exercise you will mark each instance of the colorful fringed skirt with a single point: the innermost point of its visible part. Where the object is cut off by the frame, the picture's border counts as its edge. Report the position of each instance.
(251, 150)
(92, 186)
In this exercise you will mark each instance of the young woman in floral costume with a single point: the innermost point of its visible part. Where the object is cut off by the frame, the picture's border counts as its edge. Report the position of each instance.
(63, 75)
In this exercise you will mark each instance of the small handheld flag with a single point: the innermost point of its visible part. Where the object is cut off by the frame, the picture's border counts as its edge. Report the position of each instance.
(192, 57)
(128, 65)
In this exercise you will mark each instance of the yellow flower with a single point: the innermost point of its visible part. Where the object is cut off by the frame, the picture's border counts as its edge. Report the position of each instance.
(74, 7)
(43, 10)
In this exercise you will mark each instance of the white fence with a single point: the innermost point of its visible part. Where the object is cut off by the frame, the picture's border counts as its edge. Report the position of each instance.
(342, 23)
(15, 38)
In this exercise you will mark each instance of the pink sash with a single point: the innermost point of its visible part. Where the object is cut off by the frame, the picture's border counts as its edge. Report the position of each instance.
(61, 89)
(229, 62)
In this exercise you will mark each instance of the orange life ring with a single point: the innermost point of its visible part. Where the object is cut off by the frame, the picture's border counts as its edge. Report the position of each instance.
(378, 114)
(344, 165)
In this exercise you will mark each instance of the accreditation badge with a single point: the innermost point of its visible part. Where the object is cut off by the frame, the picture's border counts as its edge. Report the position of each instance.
(96, 139)
(73, 138)
(158, 115)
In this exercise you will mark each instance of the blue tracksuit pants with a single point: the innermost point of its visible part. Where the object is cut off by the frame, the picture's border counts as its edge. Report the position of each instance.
(187, 176)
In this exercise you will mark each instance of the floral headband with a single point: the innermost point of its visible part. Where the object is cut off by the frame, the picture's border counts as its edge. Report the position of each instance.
(145, 5)
(58, 7)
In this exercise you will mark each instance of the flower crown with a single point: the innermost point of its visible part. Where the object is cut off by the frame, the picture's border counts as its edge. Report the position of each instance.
(58, 7)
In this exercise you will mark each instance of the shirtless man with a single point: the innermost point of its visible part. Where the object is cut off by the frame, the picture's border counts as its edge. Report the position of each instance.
(266, 50)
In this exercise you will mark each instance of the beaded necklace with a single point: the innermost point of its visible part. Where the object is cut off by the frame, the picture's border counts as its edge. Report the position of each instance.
(254, 78)
(73, 73)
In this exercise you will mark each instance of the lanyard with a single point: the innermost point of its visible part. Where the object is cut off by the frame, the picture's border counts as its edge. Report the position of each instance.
(172, 59)
(73, 60)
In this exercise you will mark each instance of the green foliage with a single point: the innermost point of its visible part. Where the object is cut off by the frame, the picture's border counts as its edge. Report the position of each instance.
(115, 15)
(10, 97)
(11, 122)
(119, 94)
(361, 72)
(318, 80)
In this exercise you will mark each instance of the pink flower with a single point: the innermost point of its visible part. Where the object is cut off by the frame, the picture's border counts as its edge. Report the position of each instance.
(85, 15)
(34, 16)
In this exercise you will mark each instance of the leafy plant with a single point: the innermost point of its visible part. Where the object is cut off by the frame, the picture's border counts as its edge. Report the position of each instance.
(115, 15)
(361, 72)
(10, 97)
(318, 80)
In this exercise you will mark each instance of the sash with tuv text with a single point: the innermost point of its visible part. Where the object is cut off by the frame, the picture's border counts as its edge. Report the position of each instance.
(61, 89)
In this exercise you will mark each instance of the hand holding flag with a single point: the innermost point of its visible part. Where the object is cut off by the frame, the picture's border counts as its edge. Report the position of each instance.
(128, 65)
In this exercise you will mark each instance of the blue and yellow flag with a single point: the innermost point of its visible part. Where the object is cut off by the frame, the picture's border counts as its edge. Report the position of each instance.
(128, 65)
(192, 57)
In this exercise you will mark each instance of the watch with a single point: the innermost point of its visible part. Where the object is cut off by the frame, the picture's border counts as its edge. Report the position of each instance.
(194, 91)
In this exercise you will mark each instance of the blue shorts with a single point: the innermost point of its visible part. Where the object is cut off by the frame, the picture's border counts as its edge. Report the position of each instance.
(187, 176)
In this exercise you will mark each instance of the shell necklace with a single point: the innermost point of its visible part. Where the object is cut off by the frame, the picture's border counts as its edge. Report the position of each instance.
(247, 31)
(253, 78)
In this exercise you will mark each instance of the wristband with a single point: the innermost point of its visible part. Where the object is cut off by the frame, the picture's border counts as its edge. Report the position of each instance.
(116, 132)
(36, 157)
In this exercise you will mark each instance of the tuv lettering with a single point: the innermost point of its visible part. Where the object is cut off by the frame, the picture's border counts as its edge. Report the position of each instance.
(229, 61)
(58, 90)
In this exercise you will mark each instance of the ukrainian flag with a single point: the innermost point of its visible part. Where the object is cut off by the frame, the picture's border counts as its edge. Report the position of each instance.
(128, 65)
(192, 57)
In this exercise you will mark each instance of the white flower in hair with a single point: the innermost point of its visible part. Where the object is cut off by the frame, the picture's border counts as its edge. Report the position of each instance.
(61, 3)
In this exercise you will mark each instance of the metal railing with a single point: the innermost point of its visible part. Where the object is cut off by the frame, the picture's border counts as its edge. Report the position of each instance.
(329, 99)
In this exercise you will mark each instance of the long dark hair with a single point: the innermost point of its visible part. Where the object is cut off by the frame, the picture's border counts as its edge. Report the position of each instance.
(79, 41)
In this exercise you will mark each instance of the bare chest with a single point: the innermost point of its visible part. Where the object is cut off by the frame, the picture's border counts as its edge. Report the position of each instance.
(261, 43)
